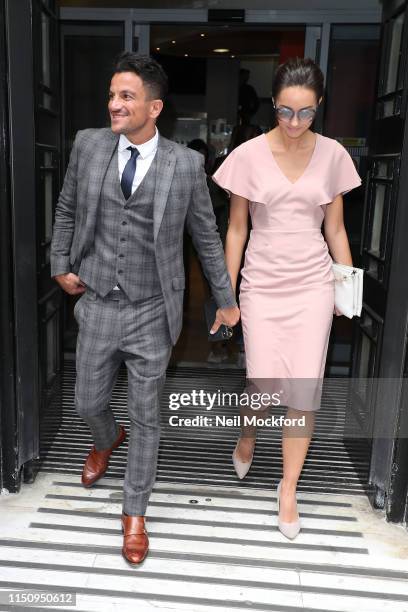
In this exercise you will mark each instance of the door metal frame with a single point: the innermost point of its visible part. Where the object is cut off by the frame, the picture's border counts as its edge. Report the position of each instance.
(388, 469)
(23, 223)
(317, 24)
(281, 16)
(8, 410)
(312, 19)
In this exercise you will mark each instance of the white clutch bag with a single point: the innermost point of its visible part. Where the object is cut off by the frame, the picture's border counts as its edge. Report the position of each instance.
(348, 289)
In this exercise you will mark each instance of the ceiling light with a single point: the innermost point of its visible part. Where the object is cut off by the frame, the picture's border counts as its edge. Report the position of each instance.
(232, 56)
(157, 48)
(220, 50)
(186, 55)
(202, 35)
(174, 42)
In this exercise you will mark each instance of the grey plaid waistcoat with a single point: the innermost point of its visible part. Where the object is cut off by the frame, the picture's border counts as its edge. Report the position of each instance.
(123, 248)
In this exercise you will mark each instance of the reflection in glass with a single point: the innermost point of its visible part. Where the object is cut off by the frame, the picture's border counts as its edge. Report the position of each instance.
(363, 367)
(394, 53)
(47, 100)
(381, 169)
(364, 357)
(378, 218)
(388, 108)
(45, 50)
(48, 195)
(370, 325)
(373, 268)
(89, 50)
(51, 344)
(48, 201)
(351, 76)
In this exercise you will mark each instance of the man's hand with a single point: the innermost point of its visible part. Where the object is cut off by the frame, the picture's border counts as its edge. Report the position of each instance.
(225, 316)
(71, 283)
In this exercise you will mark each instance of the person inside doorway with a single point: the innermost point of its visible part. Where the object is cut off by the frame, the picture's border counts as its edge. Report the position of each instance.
(219, 351)
(247, 99)
(118, 241)
(240, 134)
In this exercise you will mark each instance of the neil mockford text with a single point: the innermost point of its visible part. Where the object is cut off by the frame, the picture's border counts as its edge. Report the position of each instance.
(235, 421)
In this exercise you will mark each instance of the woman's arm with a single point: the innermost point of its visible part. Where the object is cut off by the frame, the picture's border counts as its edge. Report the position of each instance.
(335, 232)
(236, 236)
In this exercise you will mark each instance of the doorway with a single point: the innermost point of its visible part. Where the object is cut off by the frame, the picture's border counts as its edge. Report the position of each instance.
(345, 43)
(203, 62)
(220, 80)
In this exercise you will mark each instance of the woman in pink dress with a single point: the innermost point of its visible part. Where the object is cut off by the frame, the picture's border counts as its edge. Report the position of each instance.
(290, 180)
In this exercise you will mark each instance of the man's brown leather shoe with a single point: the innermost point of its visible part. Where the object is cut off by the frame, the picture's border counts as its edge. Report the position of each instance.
(97, 462)
(135, 540)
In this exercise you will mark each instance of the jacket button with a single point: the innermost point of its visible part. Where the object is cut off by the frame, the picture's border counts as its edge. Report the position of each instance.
(120, 271)
(124, 222)
(121, 255)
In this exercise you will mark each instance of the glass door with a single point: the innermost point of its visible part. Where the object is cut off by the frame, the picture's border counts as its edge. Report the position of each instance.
(88, 50)
(348, 117)
(88, 53)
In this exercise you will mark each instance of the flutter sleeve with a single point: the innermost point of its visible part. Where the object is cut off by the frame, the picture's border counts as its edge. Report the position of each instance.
(344, 176)
(234, 175)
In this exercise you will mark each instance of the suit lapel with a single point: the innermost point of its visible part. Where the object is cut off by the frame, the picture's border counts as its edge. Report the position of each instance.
(100, 164)
(166, 162)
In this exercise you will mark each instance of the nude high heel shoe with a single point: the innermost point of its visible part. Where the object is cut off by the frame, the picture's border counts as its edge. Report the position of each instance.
(290, 530)
(241, 467)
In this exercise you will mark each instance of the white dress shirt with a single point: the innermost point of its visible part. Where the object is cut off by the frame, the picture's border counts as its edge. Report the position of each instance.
(147, 151)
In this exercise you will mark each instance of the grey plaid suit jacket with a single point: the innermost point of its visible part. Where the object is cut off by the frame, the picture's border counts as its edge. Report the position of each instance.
(181, 195)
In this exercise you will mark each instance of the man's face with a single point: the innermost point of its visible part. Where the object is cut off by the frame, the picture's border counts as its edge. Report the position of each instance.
(129, 105)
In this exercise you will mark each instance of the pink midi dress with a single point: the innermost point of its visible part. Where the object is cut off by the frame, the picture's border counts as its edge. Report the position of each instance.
(287, 289)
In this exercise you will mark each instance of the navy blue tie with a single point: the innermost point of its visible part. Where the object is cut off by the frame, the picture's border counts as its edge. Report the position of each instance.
(129, 173)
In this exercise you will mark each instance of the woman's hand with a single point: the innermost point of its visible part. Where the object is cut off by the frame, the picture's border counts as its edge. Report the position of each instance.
(337, 312)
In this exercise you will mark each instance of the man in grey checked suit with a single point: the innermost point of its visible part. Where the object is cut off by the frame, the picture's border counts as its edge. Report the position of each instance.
(118, 240)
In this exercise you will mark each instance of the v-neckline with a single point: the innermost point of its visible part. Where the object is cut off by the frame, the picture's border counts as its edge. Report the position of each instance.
(304, 171)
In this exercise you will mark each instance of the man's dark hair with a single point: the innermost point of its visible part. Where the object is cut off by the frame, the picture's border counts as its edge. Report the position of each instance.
(152, 74)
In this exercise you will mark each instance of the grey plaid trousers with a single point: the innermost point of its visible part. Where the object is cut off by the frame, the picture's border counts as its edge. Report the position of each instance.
(113, 330)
